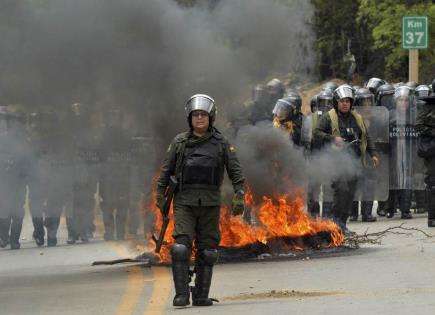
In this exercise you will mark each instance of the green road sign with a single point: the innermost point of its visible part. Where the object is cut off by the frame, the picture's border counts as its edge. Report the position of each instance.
(414, 32)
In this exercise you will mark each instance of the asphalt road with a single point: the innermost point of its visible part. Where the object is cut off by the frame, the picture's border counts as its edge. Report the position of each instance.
(396, 277)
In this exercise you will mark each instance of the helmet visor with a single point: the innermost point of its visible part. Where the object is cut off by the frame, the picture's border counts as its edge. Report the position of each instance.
(282, 109)
(368, 100)
(387, 101)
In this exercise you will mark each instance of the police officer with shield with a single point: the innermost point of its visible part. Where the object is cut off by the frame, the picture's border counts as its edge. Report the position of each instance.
(402, 147)
(197, 158)
(346, 129)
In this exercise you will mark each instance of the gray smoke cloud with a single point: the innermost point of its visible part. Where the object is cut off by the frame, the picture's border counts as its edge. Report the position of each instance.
(145, 57)
(273, 165)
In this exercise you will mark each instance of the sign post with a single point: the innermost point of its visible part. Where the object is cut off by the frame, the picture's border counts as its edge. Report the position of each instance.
(414, 37)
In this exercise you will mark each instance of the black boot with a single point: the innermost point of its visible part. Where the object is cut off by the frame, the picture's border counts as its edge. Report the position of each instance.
(16, 226)
(38, 230)
(204, 272)
(381, 208)
(52, 225)
(71, 227)
(420, 200)
(366, 211)
(354, 212)
(430, 204)
(4, 232)
(391, 204)
(405, 196)
(180, 271)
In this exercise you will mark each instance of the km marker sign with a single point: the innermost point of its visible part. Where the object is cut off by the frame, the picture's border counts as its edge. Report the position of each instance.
(414, 32)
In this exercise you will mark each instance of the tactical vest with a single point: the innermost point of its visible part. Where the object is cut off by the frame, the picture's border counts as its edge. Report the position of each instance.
(360, 122)
(203, 168)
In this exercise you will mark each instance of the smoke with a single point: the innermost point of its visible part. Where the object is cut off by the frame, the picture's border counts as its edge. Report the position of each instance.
(273, 165)
(147, 57)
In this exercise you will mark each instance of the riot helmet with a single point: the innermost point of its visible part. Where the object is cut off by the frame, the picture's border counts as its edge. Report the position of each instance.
(260, 94)
(285, 110)
(325, 100)
(330, 85)
(384, 96)
(403, 98)
(422, 91)
(412, 85)
(396, 85)
(276, 89)
(313, 103)
(374, 83)
(294, 96)
(363, 97)
(201, 102)
(343, 91)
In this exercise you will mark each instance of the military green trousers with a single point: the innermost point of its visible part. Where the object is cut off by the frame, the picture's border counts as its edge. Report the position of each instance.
(199, 224)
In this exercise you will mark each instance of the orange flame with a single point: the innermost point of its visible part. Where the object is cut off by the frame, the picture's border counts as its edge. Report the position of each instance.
(280, 216)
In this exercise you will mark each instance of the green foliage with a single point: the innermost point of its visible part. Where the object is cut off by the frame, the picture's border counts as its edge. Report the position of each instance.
(384, 21)
(375, 30)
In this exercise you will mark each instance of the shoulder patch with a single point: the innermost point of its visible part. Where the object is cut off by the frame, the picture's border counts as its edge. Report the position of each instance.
(232, 148)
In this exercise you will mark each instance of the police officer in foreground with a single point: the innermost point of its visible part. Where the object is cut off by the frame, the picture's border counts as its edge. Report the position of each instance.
(425, 126)
(197, 158)
(345, 129)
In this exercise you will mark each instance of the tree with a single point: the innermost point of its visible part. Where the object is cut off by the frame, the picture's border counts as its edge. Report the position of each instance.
(383, 20)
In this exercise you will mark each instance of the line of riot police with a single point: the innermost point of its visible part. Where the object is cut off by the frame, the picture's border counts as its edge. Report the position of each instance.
(69, 162)
(388, 113)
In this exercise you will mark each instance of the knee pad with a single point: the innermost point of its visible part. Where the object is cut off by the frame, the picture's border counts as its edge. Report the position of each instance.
(208, 256)
(183, 239)
(180, 252)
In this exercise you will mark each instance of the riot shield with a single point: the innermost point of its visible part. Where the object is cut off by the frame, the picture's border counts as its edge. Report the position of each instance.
(307, 128)
(403, 142)
(373, 183)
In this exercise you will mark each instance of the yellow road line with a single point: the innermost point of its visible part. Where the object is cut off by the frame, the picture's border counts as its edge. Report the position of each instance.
(132, 295)
(161, 290)
(135, 284)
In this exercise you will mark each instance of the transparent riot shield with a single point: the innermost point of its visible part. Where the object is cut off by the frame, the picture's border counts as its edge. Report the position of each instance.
(403, 146)
(373, 184)
(307, 128)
